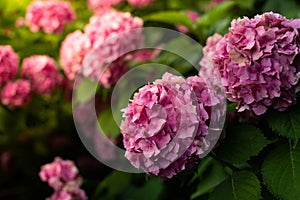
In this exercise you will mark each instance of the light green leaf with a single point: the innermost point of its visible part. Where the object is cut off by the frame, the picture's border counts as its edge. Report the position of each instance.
(108, 124)
(242, 142)
(281, 172)
(85, 91)
(286, 123)
(217, 13)
(171, 17)
(240, 186)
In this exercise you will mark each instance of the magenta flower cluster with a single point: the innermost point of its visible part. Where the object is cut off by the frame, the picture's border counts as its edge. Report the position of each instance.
(257, 62)
(63, 176)
(107, 37)
(51, 16)
(95, 4)
(42, 72)
(165, 125)
(39, 74)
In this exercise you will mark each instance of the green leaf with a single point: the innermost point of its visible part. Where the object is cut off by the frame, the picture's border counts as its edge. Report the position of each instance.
(288, 8)
(286, 123)
(171, 17)
(108, 124)
(242, 142)
(85, 91)
(240, 186)
(281, 172)
(151, 188)
(212, 177)
(113, 184)
(217, 13)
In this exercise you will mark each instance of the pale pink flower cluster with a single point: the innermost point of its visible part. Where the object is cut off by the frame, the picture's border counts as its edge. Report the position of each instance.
(257, 62)
(16, 94)
(42, 72)
(9, 62)
(95, 4)
(104, 41)
(165, 125)
(51, 16)
(64, 178)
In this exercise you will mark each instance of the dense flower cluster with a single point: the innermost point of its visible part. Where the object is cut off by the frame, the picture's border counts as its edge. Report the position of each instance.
(165, 125)
(194, 16)
(64, 178)
(256, 61)
(9, 62)
(51, 16)
(105, 39)
(16, 93)
(42, 72)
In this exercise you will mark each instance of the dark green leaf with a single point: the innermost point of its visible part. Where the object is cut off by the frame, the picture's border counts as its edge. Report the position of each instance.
(243, 141)
(286, 123)
(108, 124)
(281, 172)
(240, 186)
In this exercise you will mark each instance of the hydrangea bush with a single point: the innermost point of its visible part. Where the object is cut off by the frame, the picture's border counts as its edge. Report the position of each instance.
(53, 53)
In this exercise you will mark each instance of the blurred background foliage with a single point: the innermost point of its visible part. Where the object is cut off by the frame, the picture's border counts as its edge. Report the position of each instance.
(34, 136)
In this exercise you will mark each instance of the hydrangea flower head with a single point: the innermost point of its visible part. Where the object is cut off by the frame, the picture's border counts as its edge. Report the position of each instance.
(112, 34)
(51, 16)
(16, 94)
(72, 52)
(165, 125)
(256, 61)
(9, 62)
(42, 72)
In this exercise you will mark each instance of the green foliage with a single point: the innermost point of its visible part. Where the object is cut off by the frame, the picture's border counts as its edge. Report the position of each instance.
(210, 174)
(242, 142)
(286, 123)
(281, 171)
(107, 123)
(240, 186)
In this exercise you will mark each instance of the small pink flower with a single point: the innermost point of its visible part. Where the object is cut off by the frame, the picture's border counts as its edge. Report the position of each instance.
(50, 15)
(72, 52)
(94, 4)
(140, 3)
(77, 194)
(59, 173)
(194, 16)
(16, 94)
(256, 62)
(165, 125)
(42, 72)
(9, 62)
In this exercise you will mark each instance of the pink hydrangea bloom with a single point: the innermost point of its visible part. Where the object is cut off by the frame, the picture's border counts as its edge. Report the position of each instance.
(164, 126)
(112, 34)
(51, 15)
(59, 173)
(16, 94)
(9, 62)
(140, 3)
(42, 72)
(257, 62)
(77, 194)
(194, 16)
(94, 4)
(72, 52)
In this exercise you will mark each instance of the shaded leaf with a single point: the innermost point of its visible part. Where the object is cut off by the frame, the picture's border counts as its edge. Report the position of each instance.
(281, 172)
(240, 186)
